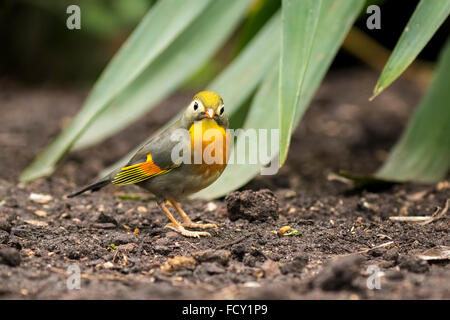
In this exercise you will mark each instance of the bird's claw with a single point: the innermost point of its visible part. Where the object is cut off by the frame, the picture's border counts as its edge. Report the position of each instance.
(187, 233)
(194, 225)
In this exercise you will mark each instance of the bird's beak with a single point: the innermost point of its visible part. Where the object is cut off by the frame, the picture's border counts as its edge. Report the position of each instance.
(210, 113)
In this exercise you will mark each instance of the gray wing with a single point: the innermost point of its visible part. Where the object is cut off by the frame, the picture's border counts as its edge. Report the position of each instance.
(160, 147)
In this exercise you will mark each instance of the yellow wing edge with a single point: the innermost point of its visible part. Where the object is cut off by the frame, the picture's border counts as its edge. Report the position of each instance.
(139, 172)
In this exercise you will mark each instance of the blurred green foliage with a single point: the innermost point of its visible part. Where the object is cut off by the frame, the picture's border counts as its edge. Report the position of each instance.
(41, 48)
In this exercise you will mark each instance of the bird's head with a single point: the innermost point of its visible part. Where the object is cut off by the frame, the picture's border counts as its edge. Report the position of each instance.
(206, 105)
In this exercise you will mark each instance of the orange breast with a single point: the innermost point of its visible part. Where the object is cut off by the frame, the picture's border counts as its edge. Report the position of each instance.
(210, 147)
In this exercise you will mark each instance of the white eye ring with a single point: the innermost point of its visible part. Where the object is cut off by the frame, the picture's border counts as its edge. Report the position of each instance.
(222, 110)
(195, 106)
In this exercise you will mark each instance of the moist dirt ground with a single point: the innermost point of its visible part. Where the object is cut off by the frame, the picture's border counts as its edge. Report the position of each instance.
(343, 243)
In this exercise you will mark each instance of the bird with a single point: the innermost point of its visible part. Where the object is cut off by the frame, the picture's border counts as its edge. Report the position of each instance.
(170, 169)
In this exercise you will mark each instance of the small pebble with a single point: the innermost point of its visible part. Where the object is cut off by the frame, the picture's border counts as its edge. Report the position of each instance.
(40, 198)
(142, 209)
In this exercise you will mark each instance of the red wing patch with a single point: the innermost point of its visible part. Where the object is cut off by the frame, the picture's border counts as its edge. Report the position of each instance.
(138, 172)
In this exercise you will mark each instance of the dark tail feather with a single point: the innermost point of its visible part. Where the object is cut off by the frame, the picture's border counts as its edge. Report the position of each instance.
(93, 187)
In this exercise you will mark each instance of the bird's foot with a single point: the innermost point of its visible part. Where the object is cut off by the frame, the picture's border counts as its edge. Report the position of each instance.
(191, 234)
(194, 225)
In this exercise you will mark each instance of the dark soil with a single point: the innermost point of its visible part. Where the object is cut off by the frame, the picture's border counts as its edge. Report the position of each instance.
(116, 237)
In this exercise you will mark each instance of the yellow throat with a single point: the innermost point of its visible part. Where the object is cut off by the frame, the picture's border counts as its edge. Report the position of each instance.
(212, 140)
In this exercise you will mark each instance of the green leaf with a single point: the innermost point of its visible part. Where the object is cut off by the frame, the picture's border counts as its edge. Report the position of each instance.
(424, 22)
(299, 24)
(181, 59)
(240, 79)
(99, 18)
(258, 15)
(150, 39)
(293, 232)
(262, 115)
(368, 182)
(423, 152)
(335, 21)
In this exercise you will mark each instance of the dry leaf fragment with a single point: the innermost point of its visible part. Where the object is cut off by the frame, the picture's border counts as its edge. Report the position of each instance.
(437, 253)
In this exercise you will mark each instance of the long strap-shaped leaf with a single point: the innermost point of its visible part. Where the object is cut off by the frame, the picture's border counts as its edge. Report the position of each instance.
(424, 22)
(336, 18)
(164, 22)
(299, 25)
(240, 79)
(262, 115)
(181, 59)
(247, 71)
(423, 152)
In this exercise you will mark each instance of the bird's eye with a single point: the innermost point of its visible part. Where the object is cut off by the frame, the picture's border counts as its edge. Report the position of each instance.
(195, 106)
(222, 110)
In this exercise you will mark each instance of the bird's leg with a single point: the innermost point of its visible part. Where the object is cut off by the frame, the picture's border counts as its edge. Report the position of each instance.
(177, 227)
(187, 221)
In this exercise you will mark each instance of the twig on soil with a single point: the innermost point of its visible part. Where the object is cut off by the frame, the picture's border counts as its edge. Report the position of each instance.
(423, 220)
(335, 177)
(438, 215)
(187, 242)
(386, 244)
(226, 245)
(410, 219)
(105, 277)
(115, 256)
(383, 245)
